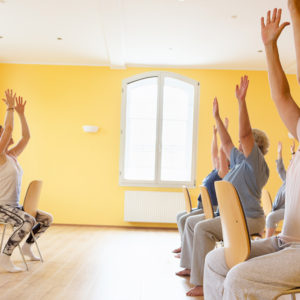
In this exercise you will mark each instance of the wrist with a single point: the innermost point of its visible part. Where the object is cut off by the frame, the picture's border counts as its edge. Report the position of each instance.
(10, 108)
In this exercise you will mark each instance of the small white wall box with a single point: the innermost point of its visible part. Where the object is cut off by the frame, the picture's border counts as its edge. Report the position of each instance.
(90, 128)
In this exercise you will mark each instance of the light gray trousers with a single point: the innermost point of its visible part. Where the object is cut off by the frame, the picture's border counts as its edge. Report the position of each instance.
(200, 238)
(274, 217)
(182, 217)
(270, 270)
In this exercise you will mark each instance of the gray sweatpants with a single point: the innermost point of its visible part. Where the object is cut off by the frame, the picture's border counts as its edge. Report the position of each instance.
(270, 270)
(274, 217)
(200, 238)
(182, 217)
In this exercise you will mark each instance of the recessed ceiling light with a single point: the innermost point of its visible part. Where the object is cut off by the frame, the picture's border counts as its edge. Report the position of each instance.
(259, 51)
(180, 0)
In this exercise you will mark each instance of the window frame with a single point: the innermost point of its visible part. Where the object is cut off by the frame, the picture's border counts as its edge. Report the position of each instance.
(157, 182)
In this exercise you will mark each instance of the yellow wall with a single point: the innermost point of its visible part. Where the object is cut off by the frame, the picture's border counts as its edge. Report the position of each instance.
(80, 170)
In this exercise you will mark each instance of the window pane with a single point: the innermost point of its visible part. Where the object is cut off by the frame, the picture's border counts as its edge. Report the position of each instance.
(140, 140)
(177, 130)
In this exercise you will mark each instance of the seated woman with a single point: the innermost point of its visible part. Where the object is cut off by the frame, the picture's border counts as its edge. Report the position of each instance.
(277, 213)
(249, 172)
(10, 185)
(216, 174)
(274, 264)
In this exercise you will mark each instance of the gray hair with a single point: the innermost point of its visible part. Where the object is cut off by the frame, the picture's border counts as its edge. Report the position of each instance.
(262, 140)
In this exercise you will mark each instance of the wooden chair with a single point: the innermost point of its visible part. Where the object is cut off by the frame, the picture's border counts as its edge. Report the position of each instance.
(206, 203)
(30, 205)
(234, 226)
(291, 292)
(187, 198)
(266, 201)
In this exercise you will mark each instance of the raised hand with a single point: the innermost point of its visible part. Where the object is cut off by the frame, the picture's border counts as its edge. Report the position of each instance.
(270, 31)
(10, 98)
(215, 130)
(293, 148)
(279, 148)
(241, 90)
(226, 123)
(216, 108)
(20, 105)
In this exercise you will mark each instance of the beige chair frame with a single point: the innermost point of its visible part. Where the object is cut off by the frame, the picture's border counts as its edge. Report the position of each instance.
(30, 205)
(236, 237)
(291, 292)
(206, 203)
(266, 201)
(187, 198)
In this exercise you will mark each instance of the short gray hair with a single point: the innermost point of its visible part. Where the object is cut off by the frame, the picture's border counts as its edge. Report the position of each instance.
(262, 140)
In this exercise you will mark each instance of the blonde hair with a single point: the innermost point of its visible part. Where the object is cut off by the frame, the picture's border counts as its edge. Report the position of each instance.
(262, 140)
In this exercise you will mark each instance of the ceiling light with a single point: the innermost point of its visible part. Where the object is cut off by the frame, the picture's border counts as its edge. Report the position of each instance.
(234, 17)
(59, 38)
(259, 51)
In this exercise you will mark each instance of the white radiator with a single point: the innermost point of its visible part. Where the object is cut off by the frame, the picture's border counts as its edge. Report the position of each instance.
(155, 207)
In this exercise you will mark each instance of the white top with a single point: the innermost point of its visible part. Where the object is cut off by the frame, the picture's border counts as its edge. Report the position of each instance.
(291, 225)
(10, 182)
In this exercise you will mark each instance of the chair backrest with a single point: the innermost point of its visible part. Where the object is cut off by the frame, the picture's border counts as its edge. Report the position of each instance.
(266, 201)
(32, 196)
(206, 203)
(234, 226)
(187, 198)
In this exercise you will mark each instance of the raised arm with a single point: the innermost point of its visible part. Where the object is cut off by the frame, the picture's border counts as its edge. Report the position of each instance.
(280, 90)
(9, 120)
(294, 8)
(223, 170)
(279, 162)
(214, 150)
(226, 141)
(19, 148)
(245, 130)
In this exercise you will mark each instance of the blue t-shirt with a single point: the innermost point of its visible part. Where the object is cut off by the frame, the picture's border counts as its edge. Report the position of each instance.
(248, 175)
(209, 183)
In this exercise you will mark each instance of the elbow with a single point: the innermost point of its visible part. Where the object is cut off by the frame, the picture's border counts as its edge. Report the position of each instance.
(245, 136)
(8, 129)
(26, 137)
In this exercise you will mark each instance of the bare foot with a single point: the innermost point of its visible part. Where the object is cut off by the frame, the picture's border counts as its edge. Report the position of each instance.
(177, 250)
(196, 291)
(177, 255)
(185, 272)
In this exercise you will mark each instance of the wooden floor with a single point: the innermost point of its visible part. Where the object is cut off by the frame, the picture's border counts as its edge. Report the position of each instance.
(85, 263)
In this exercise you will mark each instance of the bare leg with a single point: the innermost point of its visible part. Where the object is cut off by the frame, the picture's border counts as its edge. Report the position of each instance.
(294, 7)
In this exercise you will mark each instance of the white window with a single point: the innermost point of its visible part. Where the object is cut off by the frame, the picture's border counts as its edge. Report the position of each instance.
(159, 130)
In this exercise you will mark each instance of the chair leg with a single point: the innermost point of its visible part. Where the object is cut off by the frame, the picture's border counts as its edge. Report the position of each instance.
(21, 252)
(2, 237)
(37, 246)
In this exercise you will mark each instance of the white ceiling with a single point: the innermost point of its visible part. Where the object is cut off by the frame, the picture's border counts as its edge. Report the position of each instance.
(156, 33)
